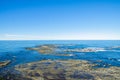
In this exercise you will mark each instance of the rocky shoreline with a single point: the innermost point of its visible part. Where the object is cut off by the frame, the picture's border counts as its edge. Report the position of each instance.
(67, 70)
(62, 69)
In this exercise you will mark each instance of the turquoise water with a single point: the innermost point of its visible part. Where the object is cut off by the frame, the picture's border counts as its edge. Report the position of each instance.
(16, 52)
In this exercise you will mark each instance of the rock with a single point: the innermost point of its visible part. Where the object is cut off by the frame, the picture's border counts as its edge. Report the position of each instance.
(43, 48)
(4, 63)
(10, 76)
(84, 50)
(67, 70)
(56, 49)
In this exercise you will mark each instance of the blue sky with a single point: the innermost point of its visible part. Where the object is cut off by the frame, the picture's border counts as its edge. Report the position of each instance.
(59, 19)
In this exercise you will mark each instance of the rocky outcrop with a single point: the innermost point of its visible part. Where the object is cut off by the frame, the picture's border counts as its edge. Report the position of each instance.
(4, 63)
(67, 70)
(43, 48)
(54, 48)
(84, 50)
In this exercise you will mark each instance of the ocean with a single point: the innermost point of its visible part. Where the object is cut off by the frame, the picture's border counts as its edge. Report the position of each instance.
(16, 52)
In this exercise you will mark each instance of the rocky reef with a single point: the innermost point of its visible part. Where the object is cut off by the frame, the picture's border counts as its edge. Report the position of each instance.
(45, 49)
(12, 76)
(67, 70)
(63, 69)
(54, 48)
(4, 63)
(84, 50)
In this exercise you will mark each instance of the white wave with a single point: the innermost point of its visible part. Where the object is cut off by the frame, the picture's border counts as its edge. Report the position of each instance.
(100, 50)
(118, 60)
(108, 50)
(71, 54)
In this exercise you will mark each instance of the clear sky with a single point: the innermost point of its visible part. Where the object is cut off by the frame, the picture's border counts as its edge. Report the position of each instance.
(59, 19)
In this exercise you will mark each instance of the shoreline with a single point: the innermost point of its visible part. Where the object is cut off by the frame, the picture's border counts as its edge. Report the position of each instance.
(67, 70)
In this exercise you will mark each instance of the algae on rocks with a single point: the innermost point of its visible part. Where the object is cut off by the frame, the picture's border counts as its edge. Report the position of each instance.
(4, 63)
(67, 70)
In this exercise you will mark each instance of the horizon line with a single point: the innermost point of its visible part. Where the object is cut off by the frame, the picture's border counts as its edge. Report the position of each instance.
(53, 39)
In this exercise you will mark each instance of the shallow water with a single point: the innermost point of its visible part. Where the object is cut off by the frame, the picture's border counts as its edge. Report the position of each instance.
(16, 52)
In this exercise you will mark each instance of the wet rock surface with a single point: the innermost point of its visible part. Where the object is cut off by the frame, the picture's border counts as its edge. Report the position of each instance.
(10, 76)
(64, 68)
(67, 70)
(84, 50)
(48, 49)
(4, 63)
(45, 49)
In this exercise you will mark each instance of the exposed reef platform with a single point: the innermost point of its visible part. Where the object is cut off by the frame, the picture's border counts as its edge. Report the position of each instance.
(67, 70)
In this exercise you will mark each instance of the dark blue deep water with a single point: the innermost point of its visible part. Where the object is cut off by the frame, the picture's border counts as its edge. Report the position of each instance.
(16, 52)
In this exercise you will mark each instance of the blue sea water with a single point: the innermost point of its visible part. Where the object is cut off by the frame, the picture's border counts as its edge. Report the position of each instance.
(16, 52)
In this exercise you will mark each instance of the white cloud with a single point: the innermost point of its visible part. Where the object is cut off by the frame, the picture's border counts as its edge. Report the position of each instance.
(13, 35)
(77, 36)
(17, 37)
